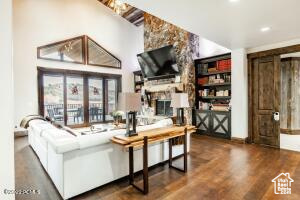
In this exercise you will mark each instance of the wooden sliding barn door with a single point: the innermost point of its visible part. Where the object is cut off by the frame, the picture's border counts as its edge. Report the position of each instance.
(266, 100)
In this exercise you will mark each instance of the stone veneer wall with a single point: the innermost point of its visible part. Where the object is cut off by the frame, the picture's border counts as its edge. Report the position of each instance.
(159, 33)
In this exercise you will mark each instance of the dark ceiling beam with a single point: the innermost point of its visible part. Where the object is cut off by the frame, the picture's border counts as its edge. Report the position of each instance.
(136, 16)
(139, 22)
(133, 15)
(105, 2)
(130, 11)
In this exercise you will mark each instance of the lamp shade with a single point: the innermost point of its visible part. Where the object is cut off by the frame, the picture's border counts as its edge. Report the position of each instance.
(129, 102)
(179, 100)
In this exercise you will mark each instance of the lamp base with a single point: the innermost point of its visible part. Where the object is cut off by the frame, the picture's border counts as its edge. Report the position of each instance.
(131, 124)
(130, 134)
(180, 117)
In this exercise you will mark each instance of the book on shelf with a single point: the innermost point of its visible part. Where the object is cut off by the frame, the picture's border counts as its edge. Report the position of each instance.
(222, 93)
(202, 81)
(214, 93)
(216, 66)
(204, 105)
(202, 68)
(214, 69)
(224, 65)
(219, 78)
(203, 93)
(220, 107)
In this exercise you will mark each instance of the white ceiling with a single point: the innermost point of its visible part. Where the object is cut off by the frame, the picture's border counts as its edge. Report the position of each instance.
(230, 24)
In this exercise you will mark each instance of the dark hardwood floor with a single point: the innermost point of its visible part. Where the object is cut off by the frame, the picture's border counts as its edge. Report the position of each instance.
(217, 169)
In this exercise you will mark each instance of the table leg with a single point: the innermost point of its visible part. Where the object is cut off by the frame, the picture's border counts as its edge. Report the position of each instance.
(184, 153)
(145, 166)
(131, 165)
(170, 153)
(185, 150)
(145, 189)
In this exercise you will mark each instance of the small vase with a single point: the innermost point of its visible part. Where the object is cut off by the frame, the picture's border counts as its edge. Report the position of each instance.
(117, 120)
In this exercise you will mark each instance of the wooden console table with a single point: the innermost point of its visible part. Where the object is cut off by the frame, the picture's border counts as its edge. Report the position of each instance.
(149, 137)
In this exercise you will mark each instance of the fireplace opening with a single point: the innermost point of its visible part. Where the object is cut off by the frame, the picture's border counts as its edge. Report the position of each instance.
(163, 108)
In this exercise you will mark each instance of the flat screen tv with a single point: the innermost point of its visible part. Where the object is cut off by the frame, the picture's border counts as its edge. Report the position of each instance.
(159, 63)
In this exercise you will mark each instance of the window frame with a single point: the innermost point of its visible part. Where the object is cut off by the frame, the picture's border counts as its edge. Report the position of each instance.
(82, 38)
(86, 75)
(84, 50)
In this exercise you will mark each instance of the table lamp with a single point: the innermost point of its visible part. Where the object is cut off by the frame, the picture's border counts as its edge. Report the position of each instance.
(130, 103)
(180, 101)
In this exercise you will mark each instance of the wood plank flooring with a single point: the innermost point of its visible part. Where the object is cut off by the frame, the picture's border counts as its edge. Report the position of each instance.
(217, 169)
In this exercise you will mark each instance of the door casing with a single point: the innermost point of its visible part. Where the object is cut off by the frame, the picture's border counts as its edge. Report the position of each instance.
(251, 58)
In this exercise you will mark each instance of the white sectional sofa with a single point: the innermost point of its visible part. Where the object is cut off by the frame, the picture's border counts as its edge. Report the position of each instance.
(77, 164)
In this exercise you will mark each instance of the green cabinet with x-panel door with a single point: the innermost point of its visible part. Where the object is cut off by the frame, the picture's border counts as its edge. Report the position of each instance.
(213, 123)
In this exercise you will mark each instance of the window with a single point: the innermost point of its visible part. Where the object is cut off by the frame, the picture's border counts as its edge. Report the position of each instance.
(112, 91)
(64, 51)
(54, 97)
(82, 50)
(95, 99)
(75, 112)
(77, 98)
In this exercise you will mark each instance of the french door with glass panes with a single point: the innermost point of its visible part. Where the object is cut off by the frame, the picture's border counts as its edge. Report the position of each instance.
(78, 99)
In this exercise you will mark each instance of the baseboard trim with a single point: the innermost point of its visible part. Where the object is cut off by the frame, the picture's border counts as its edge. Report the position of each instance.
(290, 132)
(239, 140)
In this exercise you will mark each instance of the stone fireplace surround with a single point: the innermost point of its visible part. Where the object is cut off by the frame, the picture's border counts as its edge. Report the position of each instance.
(159, 33)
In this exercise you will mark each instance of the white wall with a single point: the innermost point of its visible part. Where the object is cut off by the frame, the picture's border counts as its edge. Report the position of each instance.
(208, 48)
(274, 46)
(39, 23)
(239, 99)
(290, 142)
(6, 101)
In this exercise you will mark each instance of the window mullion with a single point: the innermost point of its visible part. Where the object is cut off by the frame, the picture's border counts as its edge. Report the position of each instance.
(104, 98)
(65, 99)
(86, 102)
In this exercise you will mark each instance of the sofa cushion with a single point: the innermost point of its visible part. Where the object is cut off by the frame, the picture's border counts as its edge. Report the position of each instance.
(39, 126)
(61, 140)
(165, 122)
(86, 141)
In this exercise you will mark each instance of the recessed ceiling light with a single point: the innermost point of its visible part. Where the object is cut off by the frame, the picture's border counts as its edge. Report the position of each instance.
(265, 29)
(233, 1)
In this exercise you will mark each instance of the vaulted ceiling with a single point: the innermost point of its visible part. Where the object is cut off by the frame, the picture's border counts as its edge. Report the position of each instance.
(231, 23)
(132, 14)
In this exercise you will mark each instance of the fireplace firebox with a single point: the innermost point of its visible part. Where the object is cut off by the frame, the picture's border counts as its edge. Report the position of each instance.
(163, 108)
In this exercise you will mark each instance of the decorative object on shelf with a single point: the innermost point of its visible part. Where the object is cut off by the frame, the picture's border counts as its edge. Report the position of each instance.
(130, 103)
(117, 116)
(204, 105)
(180, 101)
(117, 5)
